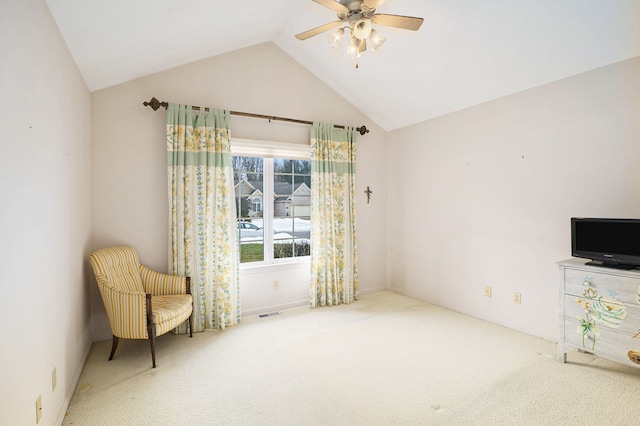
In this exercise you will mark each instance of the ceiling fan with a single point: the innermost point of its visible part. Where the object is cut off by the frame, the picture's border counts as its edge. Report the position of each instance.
(358, 16)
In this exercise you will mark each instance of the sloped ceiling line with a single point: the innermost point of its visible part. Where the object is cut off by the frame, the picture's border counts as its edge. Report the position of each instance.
(467, 52)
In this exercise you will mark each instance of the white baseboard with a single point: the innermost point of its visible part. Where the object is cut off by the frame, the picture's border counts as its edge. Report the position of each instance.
(272, 308)
(74, 385)
(297, 303)
(474, 314)
(373, 290)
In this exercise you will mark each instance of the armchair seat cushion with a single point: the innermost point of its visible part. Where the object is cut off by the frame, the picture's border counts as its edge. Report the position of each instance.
(170, 311)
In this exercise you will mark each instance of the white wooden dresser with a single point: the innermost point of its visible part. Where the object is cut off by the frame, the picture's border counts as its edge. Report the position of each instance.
(599, 311)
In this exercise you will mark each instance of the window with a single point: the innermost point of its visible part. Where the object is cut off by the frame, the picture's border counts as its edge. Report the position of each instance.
(257, 205)
(273, 205)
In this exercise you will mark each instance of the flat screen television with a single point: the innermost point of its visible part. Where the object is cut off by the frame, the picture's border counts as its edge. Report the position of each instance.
(613, 243)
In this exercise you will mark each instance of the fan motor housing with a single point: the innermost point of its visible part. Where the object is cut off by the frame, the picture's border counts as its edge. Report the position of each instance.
(352, 5)
(355, 9)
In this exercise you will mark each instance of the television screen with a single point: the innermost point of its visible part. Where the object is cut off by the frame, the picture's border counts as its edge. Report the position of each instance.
(610, 242)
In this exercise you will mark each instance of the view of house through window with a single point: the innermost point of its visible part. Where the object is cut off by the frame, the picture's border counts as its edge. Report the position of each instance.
(273, 205)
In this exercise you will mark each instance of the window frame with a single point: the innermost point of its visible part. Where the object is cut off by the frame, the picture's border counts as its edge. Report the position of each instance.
(269, 150)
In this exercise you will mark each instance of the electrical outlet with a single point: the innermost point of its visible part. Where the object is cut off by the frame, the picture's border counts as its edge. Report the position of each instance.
(487, 291)
(276, 284)
(54, 379)
(516, 298)
(38, 409)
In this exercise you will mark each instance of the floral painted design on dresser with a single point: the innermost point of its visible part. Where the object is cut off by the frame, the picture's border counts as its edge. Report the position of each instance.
(634, 356)
(588, 329)
(604, 310)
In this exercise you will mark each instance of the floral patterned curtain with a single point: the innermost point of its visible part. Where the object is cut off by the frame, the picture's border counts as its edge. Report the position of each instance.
(334, 259)
(202, 214)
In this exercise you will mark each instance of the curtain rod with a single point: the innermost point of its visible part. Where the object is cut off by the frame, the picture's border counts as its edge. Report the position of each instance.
(155, 104)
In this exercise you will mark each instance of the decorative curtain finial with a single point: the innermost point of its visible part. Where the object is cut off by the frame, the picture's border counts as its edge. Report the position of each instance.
(155, 104)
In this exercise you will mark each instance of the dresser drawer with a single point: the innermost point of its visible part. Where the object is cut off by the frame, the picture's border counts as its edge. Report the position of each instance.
(606, 312)
(608, 343)
(623, 288)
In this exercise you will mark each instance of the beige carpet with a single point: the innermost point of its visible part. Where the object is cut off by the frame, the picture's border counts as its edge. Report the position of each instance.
(386, 359)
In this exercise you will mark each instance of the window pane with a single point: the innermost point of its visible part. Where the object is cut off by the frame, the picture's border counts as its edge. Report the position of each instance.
(289, 205)
(282, 165)
(302, 167)
(292, 208)
(251, 252)
(248, 164)
(282, 237)
(282, 185)
(248, 179)
(291, 237)
(300, 180)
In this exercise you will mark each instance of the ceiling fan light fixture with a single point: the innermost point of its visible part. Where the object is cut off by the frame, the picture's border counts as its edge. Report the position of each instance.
(362, 28)
(376, 39)
(335, 39)
(353, 51)
(359, 16)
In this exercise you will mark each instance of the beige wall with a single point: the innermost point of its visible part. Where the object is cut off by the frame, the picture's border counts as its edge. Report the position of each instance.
(483, 196)
(128, 154)
(44, 217)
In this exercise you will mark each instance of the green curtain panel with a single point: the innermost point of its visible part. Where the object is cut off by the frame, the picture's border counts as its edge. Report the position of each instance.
(202, 213)
(334, 259)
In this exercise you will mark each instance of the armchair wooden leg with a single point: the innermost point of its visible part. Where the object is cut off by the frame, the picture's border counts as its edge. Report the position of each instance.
(152, 341)
(151, 330)
(190, 316)
(114, 346)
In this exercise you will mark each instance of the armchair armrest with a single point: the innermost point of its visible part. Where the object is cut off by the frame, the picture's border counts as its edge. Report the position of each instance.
(126, 311)
(159, 284)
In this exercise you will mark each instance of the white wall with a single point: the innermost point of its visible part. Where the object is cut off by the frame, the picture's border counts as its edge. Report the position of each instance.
(129, 160)
(44, 218)
(483, 196)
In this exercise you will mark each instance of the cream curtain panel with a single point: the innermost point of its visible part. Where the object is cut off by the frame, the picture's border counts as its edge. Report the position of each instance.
(202, 216)
(334, 259)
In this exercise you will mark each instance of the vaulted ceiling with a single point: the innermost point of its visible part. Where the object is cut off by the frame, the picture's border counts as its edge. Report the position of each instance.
(466, 53)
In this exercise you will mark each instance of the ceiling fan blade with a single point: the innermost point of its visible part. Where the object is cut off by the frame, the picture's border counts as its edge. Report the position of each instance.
(318, 30)
(333, 5)
(397, 21)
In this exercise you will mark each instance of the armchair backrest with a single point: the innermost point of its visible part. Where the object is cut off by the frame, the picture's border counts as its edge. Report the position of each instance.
(119, 266)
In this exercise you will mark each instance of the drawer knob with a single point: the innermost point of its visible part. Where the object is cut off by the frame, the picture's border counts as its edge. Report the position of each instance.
(586, 282)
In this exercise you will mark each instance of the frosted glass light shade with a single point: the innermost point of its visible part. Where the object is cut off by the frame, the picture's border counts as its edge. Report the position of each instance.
(335, 39)
(362, 29)
(353, 49)
(376, 39)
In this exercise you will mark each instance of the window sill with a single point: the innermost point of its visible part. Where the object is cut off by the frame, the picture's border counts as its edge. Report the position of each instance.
(260, 268)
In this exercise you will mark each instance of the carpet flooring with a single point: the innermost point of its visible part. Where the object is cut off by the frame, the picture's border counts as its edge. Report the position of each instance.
(386, 359)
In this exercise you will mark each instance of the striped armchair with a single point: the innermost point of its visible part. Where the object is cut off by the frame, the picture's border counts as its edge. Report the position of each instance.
(140, 303)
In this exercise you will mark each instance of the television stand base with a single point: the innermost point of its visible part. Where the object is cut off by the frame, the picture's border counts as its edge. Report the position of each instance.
(601, 264)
